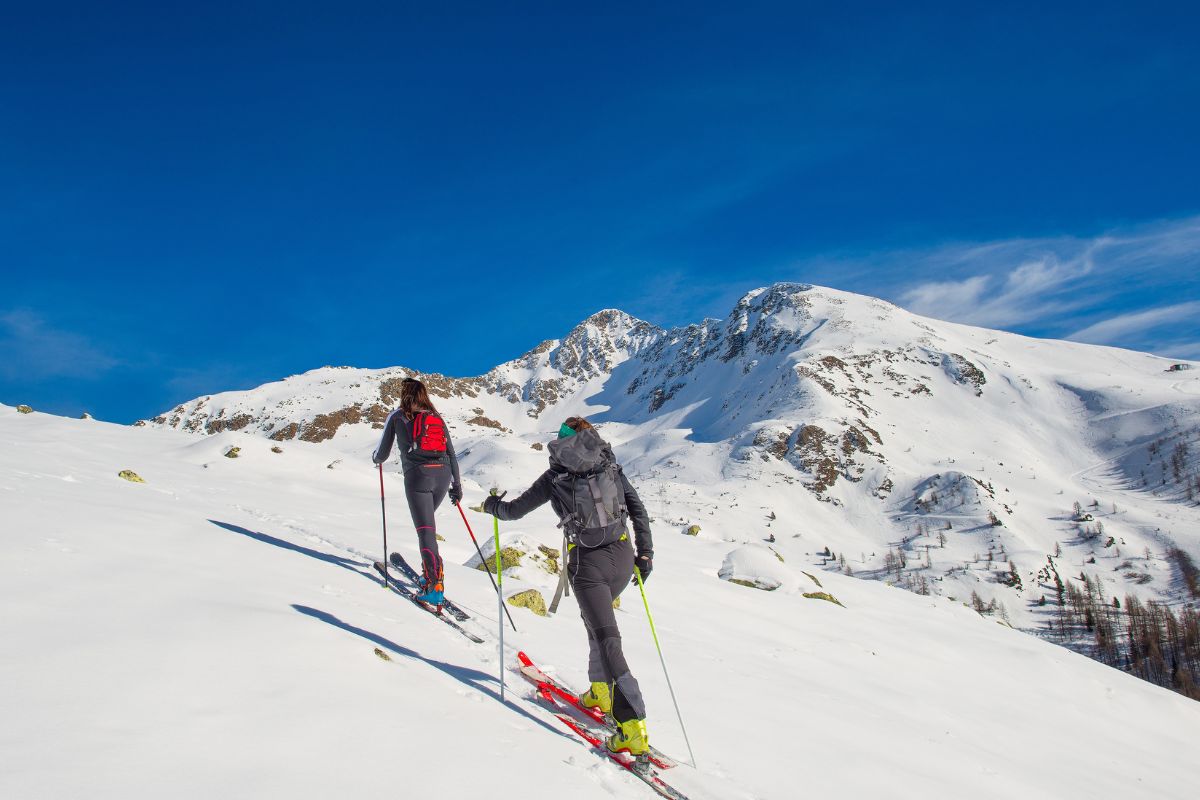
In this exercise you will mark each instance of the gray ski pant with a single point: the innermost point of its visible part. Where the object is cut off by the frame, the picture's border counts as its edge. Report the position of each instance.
(425, 486)
(598, 577)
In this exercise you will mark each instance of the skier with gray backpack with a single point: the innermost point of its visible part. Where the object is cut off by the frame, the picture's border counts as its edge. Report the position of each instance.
(594, 502)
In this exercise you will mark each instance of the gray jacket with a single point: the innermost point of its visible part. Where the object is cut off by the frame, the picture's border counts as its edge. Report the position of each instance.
(398, 429)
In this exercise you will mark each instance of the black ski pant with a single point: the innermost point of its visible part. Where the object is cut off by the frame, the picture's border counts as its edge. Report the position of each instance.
(597, 577)
(425, 486)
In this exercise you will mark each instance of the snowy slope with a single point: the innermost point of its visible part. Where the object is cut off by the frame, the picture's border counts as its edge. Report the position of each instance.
(835, 423)
(211, 632)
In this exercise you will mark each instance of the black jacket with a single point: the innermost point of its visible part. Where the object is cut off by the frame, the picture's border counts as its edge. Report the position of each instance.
(587, 445)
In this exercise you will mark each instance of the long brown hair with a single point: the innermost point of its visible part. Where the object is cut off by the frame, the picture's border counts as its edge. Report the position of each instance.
(578, 424)
(414, 398)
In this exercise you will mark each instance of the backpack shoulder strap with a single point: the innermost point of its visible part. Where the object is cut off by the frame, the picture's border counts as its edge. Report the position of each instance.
(564, 583)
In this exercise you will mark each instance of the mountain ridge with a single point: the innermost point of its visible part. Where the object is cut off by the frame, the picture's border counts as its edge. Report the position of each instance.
(872, 436)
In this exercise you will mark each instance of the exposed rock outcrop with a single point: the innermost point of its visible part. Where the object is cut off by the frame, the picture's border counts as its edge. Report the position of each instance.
(531, 599)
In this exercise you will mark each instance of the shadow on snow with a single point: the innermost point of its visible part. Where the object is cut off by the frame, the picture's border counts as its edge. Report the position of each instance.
(346, 563)
(473, 678)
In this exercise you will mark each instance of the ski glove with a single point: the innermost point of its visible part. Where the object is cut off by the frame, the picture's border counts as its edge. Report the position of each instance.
(492, 501)
(643, 564)
(455, 494)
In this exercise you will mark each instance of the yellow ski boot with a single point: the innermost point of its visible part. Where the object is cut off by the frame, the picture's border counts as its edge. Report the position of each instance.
(631, 737)
(598, 696)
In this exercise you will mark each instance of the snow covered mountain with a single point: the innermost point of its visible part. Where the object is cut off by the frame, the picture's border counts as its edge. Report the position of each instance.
(946, 458)
(216, 630)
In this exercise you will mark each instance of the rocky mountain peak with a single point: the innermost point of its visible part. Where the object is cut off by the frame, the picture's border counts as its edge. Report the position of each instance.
(603, 340)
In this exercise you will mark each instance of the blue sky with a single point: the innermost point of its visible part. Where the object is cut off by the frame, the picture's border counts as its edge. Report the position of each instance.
(209, 198)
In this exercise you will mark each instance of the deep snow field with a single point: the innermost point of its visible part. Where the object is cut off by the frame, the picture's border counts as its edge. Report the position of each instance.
(212, 633)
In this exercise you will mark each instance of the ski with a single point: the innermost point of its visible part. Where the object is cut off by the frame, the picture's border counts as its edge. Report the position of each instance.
(401, 589)
(399, 563)
(594, 716)
(642, 768)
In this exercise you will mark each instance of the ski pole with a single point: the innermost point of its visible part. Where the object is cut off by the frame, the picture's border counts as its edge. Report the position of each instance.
(483, 561)
(383, 510)
(499, 601)
(638, 573)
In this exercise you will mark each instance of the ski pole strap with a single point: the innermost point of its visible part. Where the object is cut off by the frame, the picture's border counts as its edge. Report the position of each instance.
(563, 584)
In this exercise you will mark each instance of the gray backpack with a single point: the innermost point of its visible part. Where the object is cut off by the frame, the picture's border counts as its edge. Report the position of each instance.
(590, 491)
(596, 501)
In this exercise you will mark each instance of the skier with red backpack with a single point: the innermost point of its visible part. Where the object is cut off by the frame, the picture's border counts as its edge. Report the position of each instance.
(589, 492)
(430, 474)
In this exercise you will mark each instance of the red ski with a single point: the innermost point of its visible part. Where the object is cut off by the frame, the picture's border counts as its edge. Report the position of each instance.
(593, 716)
(643, 769)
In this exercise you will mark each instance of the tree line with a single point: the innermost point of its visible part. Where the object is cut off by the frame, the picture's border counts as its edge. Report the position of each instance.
(1146, 639)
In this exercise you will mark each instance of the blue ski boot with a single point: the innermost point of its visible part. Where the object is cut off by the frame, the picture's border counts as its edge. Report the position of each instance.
(432, 593)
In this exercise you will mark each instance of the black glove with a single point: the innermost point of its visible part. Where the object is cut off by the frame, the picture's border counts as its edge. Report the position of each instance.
(490, 503)
(645, 565)
(455, 494)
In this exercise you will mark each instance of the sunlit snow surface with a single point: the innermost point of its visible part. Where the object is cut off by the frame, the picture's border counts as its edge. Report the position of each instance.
(212, 633)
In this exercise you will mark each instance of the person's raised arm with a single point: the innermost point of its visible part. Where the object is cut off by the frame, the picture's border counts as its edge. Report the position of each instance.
(530, 499)
(385, 442)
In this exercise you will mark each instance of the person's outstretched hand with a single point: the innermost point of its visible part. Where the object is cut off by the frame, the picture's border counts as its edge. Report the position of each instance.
(492, 500)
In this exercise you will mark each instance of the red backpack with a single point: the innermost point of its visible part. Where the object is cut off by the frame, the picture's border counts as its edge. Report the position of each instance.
(428, 436)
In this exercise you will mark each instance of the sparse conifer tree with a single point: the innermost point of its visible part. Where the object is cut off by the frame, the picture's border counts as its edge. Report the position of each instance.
(977, 603)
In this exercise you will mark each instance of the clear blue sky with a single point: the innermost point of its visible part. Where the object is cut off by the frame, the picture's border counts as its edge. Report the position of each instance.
(207, 198)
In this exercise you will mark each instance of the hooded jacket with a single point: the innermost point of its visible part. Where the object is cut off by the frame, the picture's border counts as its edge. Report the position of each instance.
(581, 453)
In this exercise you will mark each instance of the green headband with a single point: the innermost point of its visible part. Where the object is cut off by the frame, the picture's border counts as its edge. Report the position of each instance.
(565, 430)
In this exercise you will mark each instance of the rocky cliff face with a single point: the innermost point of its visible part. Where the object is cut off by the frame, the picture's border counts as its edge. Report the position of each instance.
(555, 369)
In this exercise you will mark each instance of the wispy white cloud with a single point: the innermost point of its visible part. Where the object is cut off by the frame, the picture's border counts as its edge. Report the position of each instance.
(1121, 288)
(1123, 325)
(1185, 350)
(1029, 292)
(31, 349)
